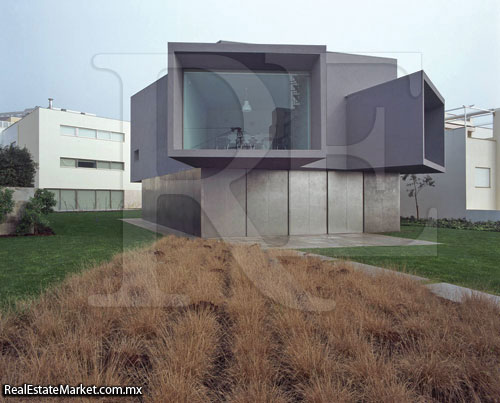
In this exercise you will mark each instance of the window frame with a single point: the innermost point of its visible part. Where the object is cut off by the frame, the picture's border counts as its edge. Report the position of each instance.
(489, 178)
(96, 164)
(308, 73)
(96, 137)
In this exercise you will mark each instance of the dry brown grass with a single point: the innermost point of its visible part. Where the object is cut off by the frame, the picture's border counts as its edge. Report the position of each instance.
(199, 320)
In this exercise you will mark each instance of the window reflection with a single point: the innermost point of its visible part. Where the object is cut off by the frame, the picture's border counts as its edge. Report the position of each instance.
(246, 110)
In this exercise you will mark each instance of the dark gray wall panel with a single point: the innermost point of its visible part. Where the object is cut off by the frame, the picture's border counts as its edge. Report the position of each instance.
(267, 202)
(386, 130)
(174, 201)
(346, 74)
(149, 134)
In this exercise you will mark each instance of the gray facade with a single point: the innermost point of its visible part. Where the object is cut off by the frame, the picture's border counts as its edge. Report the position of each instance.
(447, 199)
(284, 140)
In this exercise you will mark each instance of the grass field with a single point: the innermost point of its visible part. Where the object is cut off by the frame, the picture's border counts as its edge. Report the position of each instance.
(202, 321)
(463, 257)
(30, 264)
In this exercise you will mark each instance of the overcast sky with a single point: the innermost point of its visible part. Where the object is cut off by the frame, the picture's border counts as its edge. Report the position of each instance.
(92, 55)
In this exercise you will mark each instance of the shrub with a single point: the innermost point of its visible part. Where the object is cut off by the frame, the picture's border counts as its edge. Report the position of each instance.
(36, 211)
(6, 203)
(17, 167)
(453, 223)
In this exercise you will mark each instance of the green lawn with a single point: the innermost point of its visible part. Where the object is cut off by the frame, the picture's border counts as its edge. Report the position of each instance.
(463, 257)
(30, 264)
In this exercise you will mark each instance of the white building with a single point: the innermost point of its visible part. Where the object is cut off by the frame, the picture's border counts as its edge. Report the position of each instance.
(83, 158)
(470, 187)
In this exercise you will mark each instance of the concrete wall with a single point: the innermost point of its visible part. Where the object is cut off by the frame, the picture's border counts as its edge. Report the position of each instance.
(482, 215)
(345, 202)
(20, 197)
(223, 195)
(237, 202)
(381, 202)
(53, 146)
(496, 135)
(24, 133)
(267, 202)
(174, 201)
(307, 202)
(448, 196)
(481, 153)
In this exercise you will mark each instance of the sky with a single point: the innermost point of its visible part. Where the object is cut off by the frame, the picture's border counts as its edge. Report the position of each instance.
(93, 55)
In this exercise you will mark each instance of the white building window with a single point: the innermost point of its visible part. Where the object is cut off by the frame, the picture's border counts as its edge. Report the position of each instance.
(68, 163)
(68, 131)
(87, 133)
(88, 199)
(482, 177)
(92, 133)
(79, 163)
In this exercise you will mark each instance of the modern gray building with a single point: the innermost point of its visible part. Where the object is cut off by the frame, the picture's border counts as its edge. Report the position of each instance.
(259, 140)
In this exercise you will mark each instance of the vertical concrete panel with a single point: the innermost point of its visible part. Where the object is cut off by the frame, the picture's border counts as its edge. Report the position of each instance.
(381, 202)
(223, 202)
(267, 202)
(345, 202)
(354, 182)
(307, 202)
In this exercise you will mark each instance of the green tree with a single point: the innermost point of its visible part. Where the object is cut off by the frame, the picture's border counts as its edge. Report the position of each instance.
(6, 203)
(17, 167)
(414, 184)
(36, 211)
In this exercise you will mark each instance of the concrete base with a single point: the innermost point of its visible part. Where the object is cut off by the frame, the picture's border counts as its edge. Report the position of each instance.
(261, 203)
(20, 197)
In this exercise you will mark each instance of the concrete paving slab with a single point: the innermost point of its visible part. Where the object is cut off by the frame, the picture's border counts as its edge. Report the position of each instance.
(458, 294)
(159, 229)
(366, 268)
(327, 241)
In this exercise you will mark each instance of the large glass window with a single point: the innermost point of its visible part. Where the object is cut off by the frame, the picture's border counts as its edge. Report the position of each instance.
(68, 199)
(248, 110)
(86, 199)
(117, 199)
(103, 200)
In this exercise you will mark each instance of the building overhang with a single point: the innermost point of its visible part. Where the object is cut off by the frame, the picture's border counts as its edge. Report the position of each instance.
(397, 126)
(248, 159)
(232, 56)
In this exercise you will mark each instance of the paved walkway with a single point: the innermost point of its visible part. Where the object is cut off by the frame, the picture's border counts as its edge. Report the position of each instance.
(159, 229)
(443, 290)
(296, 241)
(327, 241)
